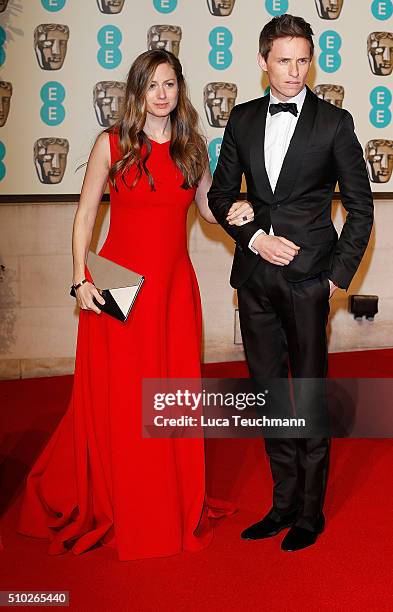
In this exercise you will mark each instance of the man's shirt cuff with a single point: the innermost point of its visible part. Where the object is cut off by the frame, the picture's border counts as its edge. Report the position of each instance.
(258, 233)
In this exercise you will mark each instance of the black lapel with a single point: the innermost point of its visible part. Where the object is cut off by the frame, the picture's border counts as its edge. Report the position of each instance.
(294, 157)
(257, 150)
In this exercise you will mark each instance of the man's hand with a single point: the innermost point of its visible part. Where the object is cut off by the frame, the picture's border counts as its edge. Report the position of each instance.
(275, 249)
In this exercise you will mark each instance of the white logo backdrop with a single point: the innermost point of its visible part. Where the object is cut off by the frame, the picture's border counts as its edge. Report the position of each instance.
(63, 65)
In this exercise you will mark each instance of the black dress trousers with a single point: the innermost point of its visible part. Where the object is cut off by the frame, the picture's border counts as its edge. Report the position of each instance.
(283, 326)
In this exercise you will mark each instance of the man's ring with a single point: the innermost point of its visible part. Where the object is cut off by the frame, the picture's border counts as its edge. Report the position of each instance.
(244, 218)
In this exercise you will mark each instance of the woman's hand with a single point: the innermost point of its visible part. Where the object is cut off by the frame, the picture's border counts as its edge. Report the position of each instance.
(240, 213)
(84, 297)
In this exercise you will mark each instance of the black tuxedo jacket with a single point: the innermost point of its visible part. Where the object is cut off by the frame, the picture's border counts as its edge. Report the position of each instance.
(323, 150)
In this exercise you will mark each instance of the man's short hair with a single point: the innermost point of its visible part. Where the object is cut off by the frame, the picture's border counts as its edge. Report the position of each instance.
(282, 27)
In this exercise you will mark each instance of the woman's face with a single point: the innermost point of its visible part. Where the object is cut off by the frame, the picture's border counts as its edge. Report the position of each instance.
(162, 91)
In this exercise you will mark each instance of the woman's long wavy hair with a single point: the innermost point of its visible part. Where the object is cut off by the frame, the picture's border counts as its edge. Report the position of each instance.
(187, 146)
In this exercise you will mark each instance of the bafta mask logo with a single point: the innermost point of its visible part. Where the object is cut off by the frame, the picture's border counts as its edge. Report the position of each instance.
(50, 159)
(379, 159)
(3, 5)
(108, 99)
(219, 99)
(331, 93)
(166, 37)
(380, 52)
(329, 9)
(221, 8)
(5, 101)
(110, 7)
(50, 43)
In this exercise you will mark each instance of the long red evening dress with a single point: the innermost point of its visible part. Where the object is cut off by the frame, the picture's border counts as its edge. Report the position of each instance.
(98, 481)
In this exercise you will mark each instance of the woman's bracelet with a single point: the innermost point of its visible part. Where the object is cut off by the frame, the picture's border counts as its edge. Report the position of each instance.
(76, 286)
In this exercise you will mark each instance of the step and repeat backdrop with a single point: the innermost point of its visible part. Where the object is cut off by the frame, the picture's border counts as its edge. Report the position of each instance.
(64, 63)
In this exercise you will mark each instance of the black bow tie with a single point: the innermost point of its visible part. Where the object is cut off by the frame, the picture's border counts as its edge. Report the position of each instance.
(286, 107)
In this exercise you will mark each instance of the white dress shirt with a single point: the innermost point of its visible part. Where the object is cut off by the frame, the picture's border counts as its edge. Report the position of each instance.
(279, 130)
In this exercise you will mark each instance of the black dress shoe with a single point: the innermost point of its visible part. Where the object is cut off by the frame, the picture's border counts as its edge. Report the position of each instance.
(298, 538)
(268, 527)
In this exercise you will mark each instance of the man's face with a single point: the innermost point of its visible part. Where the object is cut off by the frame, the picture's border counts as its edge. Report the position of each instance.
(162, 92)
(287, 66)
(221, 8)
(160, 37)
(108, 101)
(3, 5)
(380, 53)
(51, 49)
(5, 101)
(51, 161)
(110, 6)
(331, 93)
(379, 157)
(329, 9)
(219, 99)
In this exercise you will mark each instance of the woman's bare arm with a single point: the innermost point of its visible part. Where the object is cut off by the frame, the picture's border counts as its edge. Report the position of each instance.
(201, 196)
(93, 187)
(238, 211)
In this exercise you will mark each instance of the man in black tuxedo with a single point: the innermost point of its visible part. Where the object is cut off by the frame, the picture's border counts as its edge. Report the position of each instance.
(292, 148)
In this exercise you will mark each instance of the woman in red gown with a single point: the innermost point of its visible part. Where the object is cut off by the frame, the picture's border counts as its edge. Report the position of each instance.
(98, 481)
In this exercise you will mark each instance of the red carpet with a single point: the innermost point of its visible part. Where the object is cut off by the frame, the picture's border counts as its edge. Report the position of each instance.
(348, 569)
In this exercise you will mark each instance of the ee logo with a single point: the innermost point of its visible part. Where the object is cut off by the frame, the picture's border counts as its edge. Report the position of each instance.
(214, 152)
(380, 114)
(276, 7)
(220, 56)
(330, 43)
(109, 55)
(165, 6)
(53, 5)
(382, 9)
(52, 111)
(2, 165)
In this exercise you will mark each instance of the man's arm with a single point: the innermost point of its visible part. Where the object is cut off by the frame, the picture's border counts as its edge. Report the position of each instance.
(226, 187)
(224, 191)
(357, 200)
